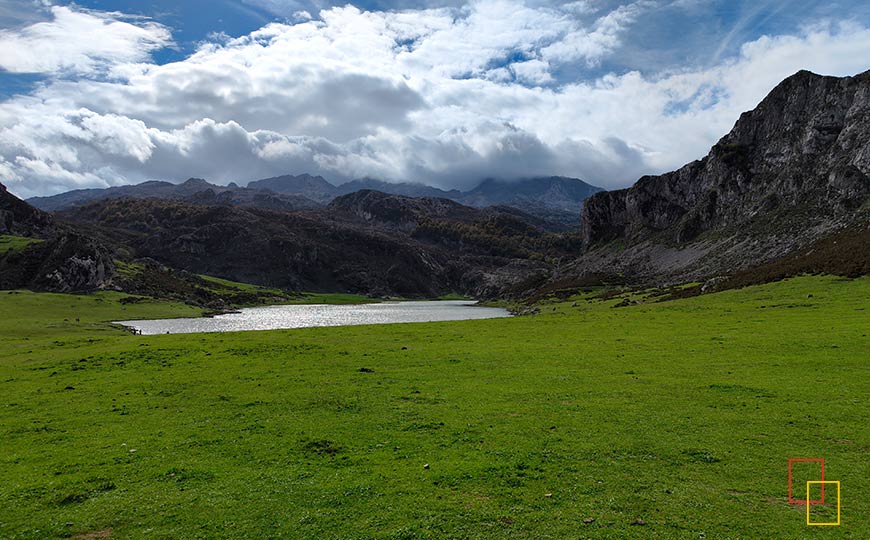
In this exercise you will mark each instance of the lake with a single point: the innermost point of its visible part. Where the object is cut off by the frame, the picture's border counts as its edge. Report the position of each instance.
(308, 315)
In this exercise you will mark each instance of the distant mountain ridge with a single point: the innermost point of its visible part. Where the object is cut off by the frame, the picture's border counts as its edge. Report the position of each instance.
(366, 241)
(315, 188)
(151, 188)
(553, 191)
(539, 196)
(555, 198)
(195, 190)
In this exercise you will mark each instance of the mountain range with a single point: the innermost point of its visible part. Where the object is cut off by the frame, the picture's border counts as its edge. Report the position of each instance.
(365, 242)
(786, 191)
(555, 198)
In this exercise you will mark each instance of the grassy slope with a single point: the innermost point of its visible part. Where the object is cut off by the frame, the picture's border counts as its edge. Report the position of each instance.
(225, 284)
(214, 292)
(13, 244)
(303, 298)
(681, 414)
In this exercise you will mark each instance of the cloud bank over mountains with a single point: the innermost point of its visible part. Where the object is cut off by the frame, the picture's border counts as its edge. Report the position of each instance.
(442, 95)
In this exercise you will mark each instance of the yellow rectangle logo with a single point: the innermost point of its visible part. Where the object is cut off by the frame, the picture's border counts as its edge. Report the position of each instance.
(823, 482)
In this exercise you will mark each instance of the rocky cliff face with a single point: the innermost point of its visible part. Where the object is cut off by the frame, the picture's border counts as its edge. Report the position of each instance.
(791, 170)
(73, 262)
(65, 261)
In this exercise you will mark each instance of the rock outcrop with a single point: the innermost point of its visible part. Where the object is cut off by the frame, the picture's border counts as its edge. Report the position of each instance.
(792, 170)
(64, 261)
(73, 262)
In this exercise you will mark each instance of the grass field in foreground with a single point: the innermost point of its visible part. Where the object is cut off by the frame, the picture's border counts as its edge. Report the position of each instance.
(667, 420)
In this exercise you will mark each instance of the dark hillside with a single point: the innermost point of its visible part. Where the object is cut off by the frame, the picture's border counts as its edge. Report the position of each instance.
(792, 171)
(366, 242)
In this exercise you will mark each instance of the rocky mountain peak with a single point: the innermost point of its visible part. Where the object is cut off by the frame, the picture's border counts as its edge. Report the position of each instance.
(790, 171)
(807, 144)
(553, 191)
(315, 188)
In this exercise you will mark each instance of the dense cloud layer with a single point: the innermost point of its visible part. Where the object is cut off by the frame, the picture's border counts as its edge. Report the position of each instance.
(444, 96)
(79, 42)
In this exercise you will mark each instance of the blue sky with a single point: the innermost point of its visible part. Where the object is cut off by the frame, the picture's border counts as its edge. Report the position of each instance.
(103, 92)
(669, 38)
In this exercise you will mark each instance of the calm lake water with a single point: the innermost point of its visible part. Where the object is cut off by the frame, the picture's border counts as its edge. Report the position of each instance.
(303, 316)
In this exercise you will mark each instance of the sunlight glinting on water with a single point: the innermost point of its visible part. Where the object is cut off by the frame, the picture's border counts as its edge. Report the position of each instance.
(309, 315)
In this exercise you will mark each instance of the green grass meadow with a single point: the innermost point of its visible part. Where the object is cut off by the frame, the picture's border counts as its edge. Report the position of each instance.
(658, 420)
(14, 244)
(225, 286)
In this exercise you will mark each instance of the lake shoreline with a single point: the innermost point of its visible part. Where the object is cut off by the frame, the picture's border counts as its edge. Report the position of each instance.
(291, 316)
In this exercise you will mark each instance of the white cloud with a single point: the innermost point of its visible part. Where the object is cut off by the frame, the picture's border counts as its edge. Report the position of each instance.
(20, 12)
(580, 7)
(534, 72)
(591, 44)
(445, 96)
(302, 15)
(84, 42)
